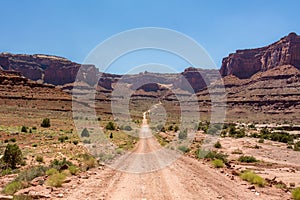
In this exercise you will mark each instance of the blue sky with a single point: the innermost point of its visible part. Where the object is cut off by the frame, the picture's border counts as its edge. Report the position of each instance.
(73, 28)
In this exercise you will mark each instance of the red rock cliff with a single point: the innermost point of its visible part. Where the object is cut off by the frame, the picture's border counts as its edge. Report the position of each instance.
(245, 63)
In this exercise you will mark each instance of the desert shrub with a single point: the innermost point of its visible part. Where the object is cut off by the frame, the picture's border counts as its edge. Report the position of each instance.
(176, 128)
(75, 142)
(203, 126)
(170, 128)
(261, 140)
(51, 171)
(111, 136)
(110, 126)
(22, 197)
(85, 133)
(46, 123)
(237, 151)
(217, 163)
(218, 145)
(297, 146)
(34, 128)
(253, 178)
(30, 131)
(247, 159)
(86, 142)
(56, 180)
(12, 187)
(63, 138)
(119, 151)
(211, 155)
(34, 145)
(127, 128)
(24, 129)
(87, 161)
(13, 140)
(6, 171)
(252, 126)
(32, 173)
(12, 156)
(296, 193)
(182, 134)
(184, 149)
(73, 170)
(39, 158)
(6, 141)
(57, 164)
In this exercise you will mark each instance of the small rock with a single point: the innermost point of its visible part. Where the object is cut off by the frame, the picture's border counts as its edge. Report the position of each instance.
(60, 195)
(257, 193)
(253, 190)
(85, 177)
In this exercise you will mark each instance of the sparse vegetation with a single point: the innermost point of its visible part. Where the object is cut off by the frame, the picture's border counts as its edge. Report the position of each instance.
(12, 187)
(46, 123)
(73, 170)
(24, 129)
(39, 158)
(51, 171)
(182, 134)
(56, 180)
(184, 149)
(110, 126)
(218, 145)
(296, 193)
(85, 133)
(217, 163)
(12, 156)
(247, 159)
(253, 178)
(211, 155)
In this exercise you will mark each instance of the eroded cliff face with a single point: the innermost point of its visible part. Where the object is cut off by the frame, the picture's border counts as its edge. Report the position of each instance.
(245, 63)
(48, 69)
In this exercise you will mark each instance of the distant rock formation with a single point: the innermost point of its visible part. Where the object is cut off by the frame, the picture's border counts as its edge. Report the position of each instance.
(245, 63)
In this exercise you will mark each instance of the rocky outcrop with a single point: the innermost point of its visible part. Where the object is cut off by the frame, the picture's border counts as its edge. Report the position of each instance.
(245, 63)
(196, 79)
(48, 69)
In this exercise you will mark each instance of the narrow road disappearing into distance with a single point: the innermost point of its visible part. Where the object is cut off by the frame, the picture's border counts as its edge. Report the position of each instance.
(185, 178)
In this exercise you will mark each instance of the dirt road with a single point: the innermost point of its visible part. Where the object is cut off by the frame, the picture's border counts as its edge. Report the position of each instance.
(186, 178)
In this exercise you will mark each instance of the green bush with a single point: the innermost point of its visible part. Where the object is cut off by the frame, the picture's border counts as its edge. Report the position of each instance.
(57, 164)
(218, 145)
(184, 149)
(73, 170)
(39, 158)
(110, 126)
(34, 145)
(253, 178)
(51, 171)
(85, 133)
(12, 156)
(56, 180)
(296, 193)
(182, 134)
(176, 128)
(217, 163)
(13, 140)
(211, 155)
(75, 142)
(127, 128)
(32, 173)
(261, 140)
(247, 159)
(24, 129)
(46, 123)
(12, 187)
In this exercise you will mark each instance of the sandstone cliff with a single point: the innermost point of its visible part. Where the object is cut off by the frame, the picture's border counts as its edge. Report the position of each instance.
(245, 63)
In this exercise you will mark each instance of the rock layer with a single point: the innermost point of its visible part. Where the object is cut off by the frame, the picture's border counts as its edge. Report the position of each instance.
(245, 63)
